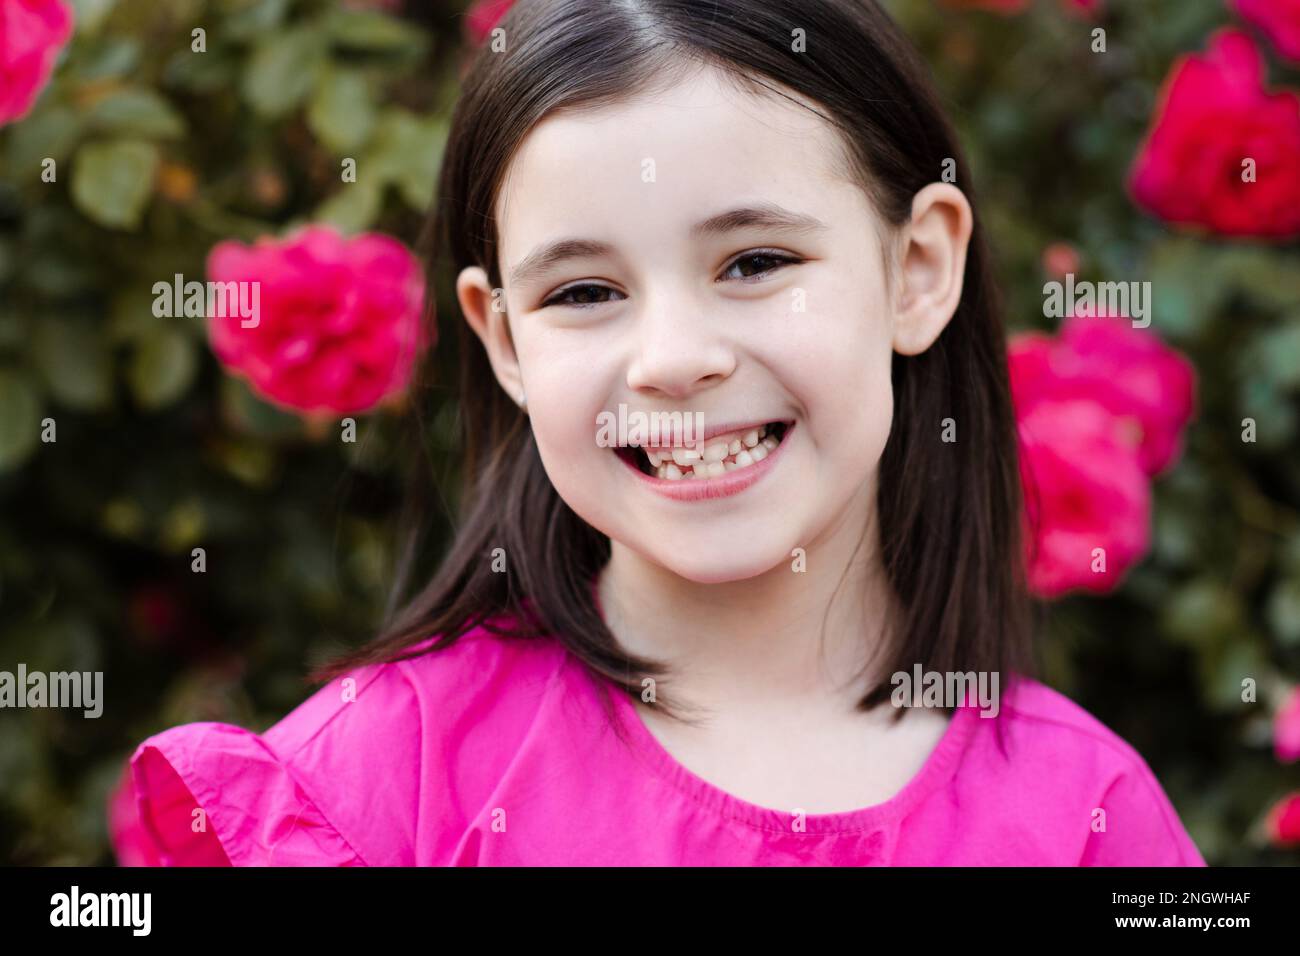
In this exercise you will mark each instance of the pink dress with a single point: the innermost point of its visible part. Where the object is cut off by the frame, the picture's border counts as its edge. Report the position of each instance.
(497, 752)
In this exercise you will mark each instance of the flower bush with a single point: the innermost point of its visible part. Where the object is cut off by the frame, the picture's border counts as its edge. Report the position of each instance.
(184, 509)
(1224, 153)
(31, 34)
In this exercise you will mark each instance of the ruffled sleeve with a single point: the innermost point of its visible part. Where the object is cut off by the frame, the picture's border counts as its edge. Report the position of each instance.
(212, 794)
(1141, 826)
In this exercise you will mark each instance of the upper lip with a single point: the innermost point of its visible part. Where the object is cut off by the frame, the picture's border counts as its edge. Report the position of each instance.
(670, 437)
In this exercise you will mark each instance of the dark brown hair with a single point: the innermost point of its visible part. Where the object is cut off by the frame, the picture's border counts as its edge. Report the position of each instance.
(949, 513)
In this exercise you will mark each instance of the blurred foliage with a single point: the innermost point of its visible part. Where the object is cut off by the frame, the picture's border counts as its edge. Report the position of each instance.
(161, 152)
(1051, 129)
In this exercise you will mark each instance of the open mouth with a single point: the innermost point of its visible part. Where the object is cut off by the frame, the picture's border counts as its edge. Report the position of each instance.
(722, 454)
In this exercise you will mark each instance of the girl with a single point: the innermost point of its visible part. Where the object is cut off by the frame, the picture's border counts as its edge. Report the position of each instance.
(672, 652)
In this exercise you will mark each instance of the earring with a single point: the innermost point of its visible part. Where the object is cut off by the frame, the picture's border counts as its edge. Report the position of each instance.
(523, 400)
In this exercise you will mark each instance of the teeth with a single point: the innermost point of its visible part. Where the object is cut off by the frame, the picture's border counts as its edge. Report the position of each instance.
(716, 460)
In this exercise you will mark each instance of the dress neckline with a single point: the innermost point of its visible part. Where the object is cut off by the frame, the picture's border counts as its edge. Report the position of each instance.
(937, 770)
(935, 773)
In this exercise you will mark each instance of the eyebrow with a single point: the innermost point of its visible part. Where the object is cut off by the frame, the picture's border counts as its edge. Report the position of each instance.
(763, 215)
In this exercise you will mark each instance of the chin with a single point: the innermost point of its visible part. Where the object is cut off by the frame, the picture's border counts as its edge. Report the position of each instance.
(722, 566)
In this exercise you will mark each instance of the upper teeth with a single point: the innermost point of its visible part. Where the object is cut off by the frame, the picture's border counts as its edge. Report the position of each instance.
(722, 454)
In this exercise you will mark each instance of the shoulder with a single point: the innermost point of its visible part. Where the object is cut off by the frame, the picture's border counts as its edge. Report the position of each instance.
(385, 704)
(341, 780)
(1071, 764)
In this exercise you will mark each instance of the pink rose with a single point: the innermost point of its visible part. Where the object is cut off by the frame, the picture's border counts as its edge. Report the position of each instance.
(130, 841)
(1100, 408)
(483, 17)
(1283, 821)
(1029, 362)
(1148, 387)
(1279, 19)
(1286, 728)
(1213, 116)
(1135, 376)
(1084, 490)
(31, 34)
(340, 323)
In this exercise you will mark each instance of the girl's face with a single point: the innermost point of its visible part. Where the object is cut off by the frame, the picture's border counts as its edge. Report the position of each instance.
(712, 262)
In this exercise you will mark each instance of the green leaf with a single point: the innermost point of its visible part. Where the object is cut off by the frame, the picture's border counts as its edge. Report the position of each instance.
(354, 207)
(162, 368)
(1203, 613)
(111, 181)
(1275, 417)
(256, 20)
(245, 411)
(283, 70)
(341, 112)
(374, 32)
(47, 134)
(1221, 672)
(90, 14)
(1173, 538)
(1263, 275)
(75, 362)
(1276, 355)
(207, 72)
(1188, 293)
(406, 151)
(20, 425)
(1284, 612)
(130, 316)
(113, 58)
(137, 112)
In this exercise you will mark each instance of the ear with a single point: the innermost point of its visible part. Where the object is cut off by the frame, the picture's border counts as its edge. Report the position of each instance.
(486, 315)
(933, 263)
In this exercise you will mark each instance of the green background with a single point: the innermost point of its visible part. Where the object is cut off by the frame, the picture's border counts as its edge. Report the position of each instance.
(161, 153)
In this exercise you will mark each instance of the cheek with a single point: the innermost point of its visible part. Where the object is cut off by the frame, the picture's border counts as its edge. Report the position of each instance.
(858, 400)
(838, 367)
(567, 387)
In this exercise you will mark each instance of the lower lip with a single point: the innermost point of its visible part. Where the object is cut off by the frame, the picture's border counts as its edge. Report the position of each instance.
(701, 489)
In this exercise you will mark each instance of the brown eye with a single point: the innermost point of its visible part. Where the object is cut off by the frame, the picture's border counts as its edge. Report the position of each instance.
(579, 295)
(753, 264)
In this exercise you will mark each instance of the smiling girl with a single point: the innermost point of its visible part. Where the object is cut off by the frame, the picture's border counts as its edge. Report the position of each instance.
(683, 653)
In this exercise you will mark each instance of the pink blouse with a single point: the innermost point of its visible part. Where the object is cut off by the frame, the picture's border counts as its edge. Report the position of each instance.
(497, 751)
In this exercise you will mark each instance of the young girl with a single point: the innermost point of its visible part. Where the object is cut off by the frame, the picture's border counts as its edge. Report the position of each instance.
(664, 651)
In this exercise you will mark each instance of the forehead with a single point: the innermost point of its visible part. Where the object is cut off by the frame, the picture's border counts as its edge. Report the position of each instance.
(665, 159)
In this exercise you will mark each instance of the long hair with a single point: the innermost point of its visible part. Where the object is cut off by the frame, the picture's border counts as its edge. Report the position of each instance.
(949, 512)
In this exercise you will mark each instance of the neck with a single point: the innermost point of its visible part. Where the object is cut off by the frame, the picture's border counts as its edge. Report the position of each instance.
(759, 640)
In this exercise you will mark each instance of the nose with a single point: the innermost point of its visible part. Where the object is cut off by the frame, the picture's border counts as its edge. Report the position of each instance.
(678, 351)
